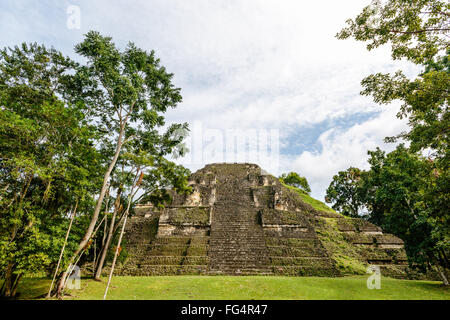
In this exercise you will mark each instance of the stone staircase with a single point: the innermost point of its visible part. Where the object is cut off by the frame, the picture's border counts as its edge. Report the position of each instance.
(168, 255)
(299, 257)
(237, 244)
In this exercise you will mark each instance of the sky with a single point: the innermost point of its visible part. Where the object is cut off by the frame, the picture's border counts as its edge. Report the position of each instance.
(266, 76)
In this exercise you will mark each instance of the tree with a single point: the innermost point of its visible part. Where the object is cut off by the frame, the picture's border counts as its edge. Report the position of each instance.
(154, 181)
(295, 180)
(80, 128)
(344, 193)
(417, 31)
(47, 160)
(395, 190)
(129, 91)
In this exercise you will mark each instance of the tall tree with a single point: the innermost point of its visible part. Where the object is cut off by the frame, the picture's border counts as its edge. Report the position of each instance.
(416, 30)
(395, 191)
(129, 91)
(47, 160)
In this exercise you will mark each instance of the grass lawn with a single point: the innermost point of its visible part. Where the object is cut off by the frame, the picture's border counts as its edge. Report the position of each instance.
(245, 288)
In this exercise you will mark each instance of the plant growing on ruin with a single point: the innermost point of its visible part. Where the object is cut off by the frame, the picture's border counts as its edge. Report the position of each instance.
(343, 192)
(295, 180)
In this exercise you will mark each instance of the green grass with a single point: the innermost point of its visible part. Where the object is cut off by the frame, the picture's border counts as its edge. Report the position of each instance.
(246, 288)
(316, 204)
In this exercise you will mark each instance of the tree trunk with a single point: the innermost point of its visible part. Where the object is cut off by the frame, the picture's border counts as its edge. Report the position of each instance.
(98, 206)
(83, 243)
(116, 254)
(7, 285)
(105, 229)
(105, 232)
(74, 212)
(104, 251)
(61, 284)
(62, 280)
(130, 197)
(443, 275)
(16, 285)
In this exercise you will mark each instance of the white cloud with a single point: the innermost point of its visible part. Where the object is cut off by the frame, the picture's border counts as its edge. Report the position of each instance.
(241, 64)
(343, 148)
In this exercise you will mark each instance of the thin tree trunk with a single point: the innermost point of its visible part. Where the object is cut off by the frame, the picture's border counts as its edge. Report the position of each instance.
(16, 285)
(106, 222)
(98, 206)
(130, 197)
(105, 231)
(443, 275)
(63, 279)
(74, 212)
(8, 281)
(95, 256)
(115, 255)
(2, 288)
(98, 271)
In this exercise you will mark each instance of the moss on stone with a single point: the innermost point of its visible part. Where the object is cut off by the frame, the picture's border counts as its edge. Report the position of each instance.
(347, 258)
(286, 251)
(198, 216)
(278, 217)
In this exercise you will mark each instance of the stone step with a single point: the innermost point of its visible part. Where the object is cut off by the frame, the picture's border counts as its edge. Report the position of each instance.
(174, 260)
(305, 271)
(236, 238)
(153, 270)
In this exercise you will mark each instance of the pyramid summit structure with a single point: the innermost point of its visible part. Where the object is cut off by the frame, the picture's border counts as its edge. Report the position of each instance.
(239, 220)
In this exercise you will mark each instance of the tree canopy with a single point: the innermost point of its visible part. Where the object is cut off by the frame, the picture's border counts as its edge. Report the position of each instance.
(75, 138)
(404, 191)
(295, 180)
(343, 192)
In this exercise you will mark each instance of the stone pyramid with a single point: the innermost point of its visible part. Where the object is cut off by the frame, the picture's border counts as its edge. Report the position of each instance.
(239, 220)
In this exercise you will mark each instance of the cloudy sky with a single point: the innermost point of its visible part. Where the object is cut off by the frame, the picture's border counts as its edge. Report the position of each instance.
(271, 67)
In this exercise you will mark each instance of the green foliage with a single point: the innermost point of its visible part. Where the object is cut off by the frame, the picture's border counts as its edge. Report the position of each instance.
(295, 180)
(130, 91)
(69, 132)
(401, 194)
(415, 29)
(47, 160)
(343, 192)
(425, 105)
(406, 193)
(397, 191)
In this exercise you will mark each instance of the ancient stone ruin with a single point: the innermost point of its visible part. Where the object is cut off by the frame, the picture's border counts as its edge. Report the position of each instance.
(239, 220)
